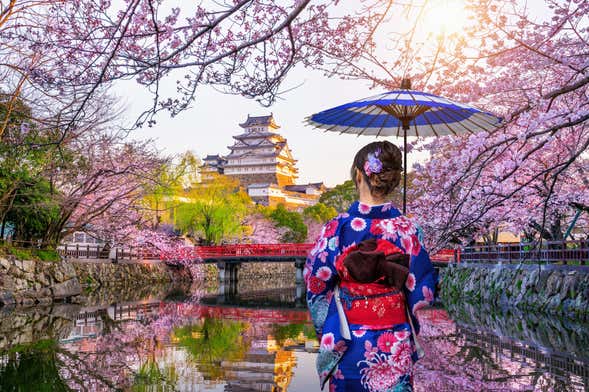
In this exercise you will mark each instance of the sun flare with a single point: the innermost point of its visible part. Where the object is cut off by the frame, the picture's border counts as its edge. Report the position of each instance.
(444, 17)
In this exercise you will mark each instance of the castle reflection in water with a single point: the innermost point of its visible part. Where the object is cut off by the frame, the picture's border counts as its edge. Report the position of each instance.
(263, 341)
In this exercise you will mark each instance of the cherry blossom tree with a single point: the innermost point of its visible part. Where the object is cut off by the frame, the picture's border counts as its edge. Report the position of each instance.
(528, 65)
(247, 47)
(101, 187)
(529, 68)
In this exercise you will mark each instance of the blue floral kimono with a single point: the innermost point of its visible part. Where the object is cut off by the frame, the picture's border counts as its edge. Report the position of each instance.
(371, 359)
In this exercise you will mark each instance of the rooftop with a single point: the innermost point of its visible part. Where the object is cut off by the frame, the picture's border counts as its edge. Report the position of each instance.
(215, 157)
(303, 187)
(259, 120)
(255, 135)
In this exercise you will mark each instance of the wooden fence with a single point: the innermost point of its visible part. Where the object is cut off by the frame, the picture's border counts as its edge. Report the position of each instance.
(565, 252)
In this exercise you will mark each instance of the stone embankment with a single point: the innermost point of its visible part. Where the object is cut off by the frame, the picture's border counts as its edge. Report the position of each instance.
(550, 289)
(28, 283)
(258, 275)
(28, 325)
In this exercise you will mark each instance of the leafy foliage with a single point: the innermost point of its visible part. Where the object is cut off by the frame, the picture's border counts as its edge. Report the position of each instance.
(320, 212)
(211, 342)
(292, 220)
(214, 210)
(340, 197)
(35, 363)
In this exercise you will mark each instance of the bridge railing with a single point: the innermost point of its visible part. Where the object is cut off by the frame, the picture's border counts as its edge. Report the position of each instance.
(81, 251)
(565, 252)
(208, 252)
(253, 250)
(446, 256)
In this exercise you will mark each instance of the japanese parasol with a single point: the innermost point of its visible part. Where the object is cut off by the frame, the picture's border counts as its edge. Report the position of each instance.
(403, 113)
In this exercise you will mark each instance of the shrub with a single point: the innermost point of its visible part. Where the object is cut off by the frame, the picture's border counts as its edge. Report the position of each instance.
(297, 230)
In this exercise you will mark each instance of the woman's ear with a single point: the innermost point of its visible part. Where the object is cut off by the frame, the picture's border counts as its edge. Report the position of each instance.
(359, 177)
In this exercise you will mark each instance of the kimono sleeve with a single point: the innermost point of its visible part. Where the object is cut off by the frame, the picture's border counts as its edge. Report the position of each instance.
(420, 284)
(320, 274)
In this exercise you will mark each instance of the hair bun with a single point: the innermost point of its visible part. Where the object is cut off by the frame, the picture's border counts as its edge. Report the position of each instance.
(387, 179)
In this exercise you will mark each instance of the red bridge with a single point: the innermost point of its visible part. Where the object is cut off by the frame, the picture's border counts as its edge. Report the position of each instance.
(227, 253)
(253, 252)
(286, 251)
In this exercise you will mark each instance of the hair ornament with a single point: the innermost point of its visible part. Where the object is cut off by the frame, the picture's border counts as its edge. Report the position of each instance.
(373, 164)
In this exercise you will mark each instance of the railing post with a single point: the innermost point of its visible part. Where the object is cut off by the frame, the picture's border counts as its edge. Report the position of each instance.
(87, 251)
(65, 250)
(77, 251)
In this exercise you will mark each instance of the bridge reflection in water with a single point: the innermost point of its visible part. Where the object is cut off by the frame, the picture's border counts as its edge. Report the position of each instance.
(262, 340)
(461, 355)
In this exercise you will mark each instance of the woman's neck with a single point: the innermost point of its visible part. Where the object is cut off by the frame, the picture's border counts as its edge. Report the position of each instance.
(367, 198)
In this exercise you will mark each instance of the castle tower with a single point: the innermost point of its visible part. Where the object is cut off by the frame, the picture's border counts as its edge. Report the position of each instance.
(260, 155)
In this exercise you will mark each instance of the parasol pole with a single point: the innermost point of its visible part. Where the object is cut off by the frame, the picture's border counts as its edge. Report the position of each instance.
(405, 85)
(405, 128)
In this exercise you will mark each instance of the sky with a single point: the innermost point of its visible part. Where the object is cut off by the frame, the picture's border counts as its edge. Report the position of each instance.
(208, 127)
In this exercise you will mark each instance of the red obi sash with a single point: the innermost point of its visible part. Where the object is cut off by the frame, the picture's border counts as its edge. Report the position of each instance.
(371, 305)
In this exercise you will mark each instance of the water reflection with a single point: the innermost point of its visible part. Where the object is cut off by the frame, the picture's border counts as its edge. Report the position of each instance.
(181, 339)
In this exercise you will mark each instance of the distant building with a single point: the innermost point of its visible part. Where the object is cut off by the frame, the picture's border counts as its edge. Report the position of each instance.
(212, 164)
(293, 196)
(261, 155)
(263, 163)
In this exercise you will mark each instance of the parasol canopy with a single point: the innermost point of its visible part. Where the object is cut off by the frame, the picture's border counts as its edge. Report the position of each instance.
(403, 113)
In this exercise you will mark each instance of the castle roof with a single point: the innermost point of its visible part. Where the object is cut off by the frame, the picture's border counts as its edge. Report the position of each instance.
(216, 157)
(229, 165)
(259, 120)
(256, 135)
(303, 187)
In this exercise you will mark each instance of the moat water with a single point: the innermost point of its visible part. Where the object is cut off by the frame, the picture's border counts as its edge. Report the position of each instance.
(198, 339)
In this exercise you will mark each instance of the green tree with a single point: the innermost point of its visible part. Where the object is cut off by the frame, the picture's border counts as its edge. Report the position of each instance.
(320, 212)
(214, 210)
(163, 196)
(340, 197)
(292, 220)
(212, 342)
(28, 198)
(33, 367)
(33, 209)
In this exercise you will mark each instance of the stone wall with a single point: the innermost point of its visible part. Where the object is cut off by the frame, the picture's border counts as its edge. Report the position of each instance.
(24, 326)
(28, 283)
(555, 333)
(264, 276)
(258, 276)
(557, 290)
(127, 274)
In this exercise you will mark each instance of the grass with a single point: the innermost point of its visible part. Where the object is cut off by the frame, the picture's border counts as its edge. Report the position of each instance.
(30, 253)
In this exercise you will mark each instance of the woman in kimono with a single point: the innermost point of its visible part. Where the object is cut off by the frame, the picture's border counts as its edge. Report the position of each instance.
(366, 276)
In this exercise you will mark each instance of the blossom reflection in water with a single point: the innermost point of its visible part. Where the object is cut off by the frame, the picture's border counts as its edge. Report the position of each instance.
(191, 346)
